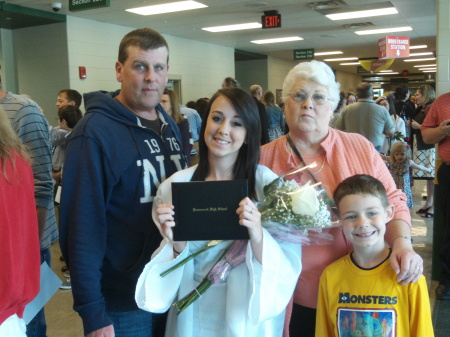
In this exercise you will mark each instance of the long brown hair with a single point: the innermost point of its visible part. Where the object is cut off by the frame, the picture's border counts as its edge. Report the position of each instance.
(176, 114)
(10, 144)
(269, 98)
(248, 157)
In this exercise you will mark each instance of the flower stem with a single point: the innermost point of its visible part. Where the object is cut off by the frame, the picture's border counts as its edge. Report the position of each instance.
(193, 295)
(190, 298)
(184, 261)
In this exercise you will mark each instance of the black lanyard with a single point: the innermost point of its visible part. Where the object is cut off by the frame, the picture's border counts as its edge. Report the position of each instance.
(299, 156)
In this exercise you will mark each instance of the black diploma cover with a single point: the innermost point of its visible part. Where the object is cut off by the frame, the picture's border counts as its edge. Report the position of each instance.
(206, 210)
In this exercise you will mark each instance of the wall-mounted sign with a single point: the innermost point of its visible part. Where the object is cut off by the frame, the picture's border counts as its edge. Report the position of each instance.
(399, 80)
(304, 54)
(375, 65)
(393, 47)
(81, 5)
(271, 19)
(430, 77)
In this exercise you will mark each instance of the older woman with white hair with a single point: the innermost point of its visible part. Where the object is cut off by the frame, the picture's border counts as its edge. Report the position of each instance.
(311, 94)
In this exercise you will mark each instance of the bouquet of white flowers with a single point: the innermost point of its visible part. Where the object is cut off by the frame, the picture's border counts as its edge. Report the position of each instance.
(296, 213)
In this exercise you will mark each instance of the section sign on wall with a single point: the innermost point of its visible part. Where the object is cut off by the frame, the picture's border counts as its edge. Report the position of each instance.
(304, 54)
(81, 5)
(393, 47)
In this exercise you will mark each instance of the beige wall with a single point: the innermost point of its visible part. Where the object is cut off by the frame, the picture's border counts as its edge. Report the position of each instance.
(277, 71)
(348, 81)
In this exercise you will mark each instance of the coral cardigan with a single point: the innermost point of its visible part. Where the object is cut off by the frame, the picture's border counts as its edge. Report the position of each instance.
(347, 154)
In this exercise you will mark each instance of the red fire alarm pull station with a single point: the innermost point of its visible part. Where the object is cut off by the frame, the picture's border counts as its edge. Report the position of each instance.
(82, 71)
(271, 19)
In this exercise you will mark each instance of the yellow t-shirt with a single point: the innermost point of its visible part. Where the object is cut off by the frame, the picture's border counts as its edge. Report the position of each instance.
(370, 302)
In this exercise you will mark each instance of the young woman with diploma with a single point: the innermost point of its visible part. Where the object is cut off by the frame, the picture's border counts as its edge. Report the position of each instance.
(251, 301)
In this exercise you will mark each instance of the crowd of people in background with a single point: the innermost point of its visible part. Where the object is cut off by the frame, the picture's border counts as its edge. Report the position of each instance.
(112, 170)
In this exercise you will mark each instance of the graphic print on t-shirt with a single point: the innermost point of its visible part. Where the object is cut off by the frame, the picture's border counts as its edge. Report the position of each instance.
(356, 322)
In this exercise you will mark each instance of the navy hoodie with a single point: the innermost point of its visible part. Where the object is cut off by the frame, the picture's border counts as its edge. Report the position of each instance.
(112, 170)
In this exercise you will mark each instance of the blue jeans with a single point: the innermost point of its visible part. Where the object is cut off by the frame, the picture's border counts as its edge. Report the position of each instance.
(37, 326)
(136, 323)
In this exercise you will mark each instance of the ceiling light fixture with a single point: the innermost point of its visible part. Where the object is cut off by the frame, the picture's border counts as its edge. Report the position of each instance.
(383, 30)
(385, 71)
(428, 68)
(362, 14)
(342, 59)
(228, 28)
(425, 65)
(350, 64)
(429, 71)
(167, 8)
(281, 39)
(421, 54)
(421, 46)
(328, 53)
(419, 60)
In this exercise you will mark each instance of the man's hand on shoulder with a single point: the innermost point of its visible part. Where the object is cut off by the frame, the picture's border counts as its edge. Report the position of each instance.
(107, 331)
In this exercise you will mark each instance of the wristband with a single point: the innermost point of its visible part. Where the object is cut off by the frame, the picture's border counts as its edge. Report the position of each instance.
(410, 240)
(173, 247)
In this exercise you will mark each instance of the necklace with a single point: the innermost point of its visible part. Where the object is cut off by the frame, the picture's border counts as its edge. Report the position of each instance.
(298, 166)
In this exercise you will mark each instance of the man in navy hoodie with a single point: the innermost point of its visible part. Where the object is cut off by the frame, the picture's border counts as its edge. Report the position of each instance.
(116, 158)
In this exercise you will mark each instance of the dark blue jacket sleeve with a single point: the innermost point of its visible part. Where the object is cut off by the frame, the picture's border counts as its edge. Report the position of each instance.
(86, 182)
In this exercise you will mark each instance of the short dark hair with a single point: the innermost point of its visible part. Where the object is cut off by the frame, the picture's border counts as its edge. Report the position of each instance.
(401, 92)
(71, 114)
(364, 90)
(201, 105)
(248, 156)
(144, 38)
(361, 184)
(72, 96)
(190, 105)
(231, 82)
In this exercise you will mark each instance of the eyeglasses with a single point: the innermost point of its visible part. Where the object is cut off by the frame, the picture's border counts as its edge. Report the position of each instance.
(318, 99)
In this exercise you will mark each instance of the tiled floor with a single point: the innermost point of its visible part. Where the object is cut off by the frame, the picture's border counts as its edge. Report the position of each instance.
(62, 321)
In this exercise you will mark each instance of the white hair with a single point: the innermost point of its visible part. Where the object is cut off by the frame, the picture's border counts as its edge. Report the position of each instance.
(316, 71)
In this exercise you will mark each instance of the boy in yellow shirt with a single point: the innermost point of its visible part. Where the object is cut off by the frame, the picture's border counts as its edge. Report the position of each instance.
(359, 294)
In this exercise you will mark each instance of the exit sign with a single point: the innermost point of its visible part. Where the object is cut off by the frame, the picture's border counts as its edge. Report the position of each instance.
(271, 19)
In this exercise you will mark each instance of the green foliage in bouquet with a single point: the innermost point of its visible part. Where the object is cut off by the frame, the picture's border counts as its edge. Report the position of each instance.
(287, 203)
